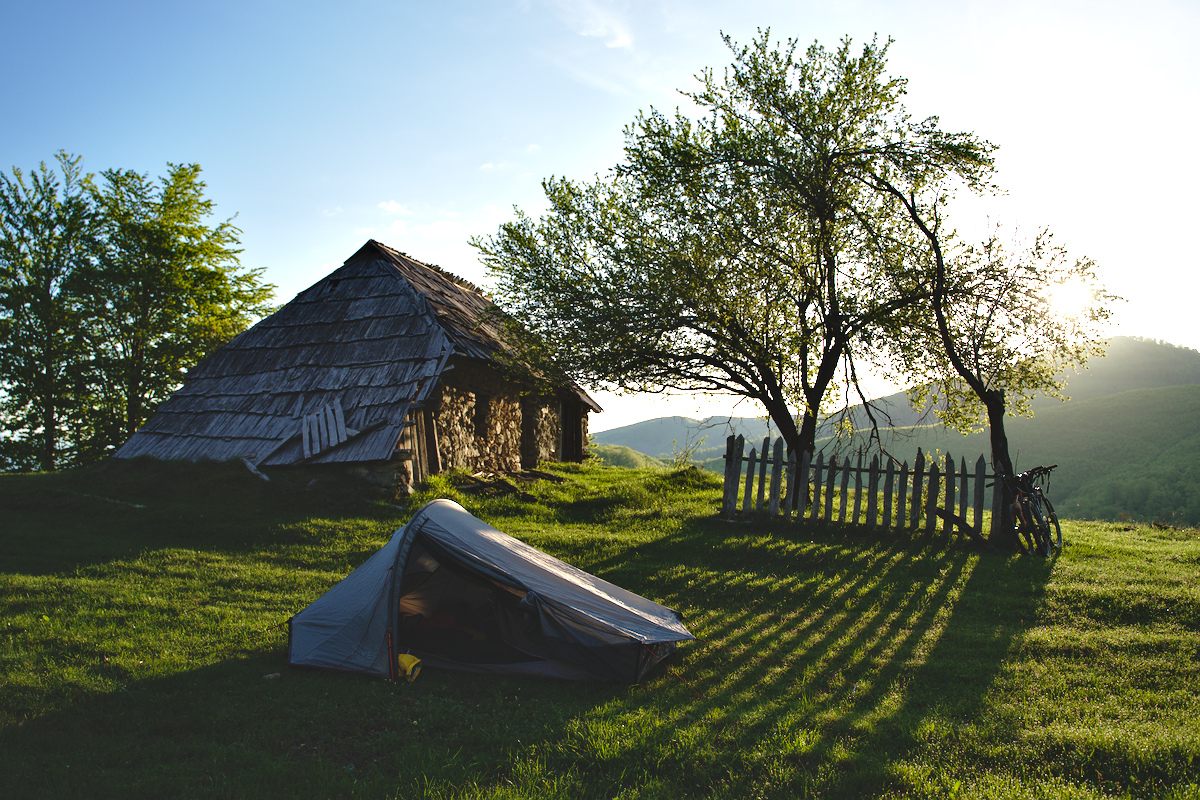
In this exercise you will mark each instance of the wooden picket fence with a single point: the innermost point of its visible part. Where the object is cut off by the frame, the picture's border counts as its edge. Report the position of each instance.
(890, 496)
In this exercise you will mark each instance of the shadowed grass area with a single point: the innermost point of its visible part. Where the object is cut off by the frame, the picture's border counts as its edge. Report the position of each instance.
(139, 603)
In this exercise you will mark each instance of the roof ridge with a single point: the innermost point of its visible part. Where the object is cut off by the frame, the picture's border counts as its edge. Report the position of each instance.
(450, 276)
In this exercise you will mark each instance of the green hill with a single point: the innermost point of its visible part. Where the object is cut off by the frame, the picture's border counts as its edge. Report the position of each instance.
(1125, 443)
(1131, 454)
(615, 455)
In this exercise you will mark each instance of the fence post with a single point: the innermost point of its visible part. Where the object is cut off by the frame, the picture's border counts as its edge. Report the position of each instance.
(789, 495)
(902, 508)
(845, 490)
(727, 506)
(829, 487)
(915, 501)
(889, 485)
(980, 476)
(817, 484)
(858, 482)
(931, 497)
(947, 523)
(762, 473)
(872, 492)
(776, 476)
(746, 501)
(963, 491)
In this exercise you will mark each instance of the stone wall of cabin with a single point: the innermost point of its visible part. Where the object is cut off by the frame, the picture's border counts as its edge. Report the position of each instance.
(542, 432)
(483, 422)
(478, 431)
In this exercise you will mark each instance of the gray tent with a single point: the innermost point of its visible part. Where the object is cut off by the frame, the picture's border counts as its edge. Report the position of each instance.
(459, 594)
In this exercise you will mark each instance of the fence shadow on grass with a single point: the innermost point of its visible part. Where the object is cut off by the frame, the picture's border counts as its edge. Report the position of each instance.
(824, 660)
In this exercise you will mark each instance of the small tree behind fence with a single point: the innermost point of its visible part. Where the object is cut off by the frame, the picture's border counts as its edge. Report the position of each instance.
(890, 496)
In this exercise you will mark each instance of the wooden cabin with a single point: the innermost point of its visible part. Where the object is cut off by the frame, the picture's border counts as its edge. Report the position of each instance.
(386, 361)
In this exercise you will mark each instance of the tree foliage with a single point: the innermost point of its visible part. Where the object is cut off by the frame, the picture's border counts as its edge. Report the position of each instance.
(744, 251)
(48, 233)
(991, 338)
(109, 292)
(166, 292)
(1005, 330)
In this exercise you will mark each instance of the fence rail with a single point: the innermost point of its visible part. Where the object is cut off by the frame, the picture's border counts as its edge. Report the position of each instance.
(889, 496)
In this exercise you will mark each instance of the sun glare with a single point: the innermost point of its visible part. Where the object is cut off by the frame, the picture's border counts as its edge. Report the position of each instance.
(1070, 299)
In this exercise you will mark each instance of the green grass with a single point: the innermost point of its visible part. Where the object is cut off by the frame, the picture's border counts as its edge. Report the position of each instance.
(138, 603)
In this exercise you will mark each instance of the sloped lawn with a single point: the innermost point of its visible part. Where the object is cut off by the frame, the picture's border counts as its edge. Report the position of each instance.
(140, 606)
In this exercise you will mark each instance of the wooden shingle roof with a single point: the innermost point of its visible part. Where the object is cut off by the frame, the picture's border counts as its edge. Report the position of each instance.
(368, 342)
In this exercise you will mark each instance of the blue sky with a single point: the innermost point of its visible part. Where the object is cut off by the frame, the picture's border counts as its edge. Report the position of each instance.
(421, 124)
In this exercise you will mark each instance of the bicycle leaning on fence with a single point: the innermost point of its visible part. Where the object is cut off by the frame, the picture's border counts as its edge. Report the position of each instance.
(1034, 520)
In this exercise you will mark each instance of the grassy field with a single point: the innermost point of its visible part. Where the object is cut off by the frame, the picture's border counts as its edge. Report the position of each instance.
(139, 606)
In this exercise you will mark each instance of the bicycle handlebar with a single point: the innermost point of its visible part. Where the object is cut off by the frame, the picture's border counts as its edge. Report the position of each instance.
(1027, 475)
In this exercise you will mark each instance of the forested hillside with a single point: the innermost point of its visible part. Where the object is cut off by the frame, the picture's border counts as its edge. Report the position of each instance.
(1126, 442)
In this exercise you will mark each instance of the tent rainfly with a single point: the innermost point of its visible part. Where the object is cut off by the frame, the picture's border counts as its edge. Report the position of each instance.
(459, 594)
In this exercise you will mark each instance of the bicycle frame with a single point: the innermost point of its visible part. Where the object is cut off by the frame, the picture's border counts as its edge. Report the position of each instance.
(1031, 511)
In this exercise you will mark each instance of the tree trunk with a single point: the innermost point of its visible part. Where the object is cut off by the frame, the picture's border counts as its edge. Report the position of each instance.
(46, 461)
(814, 394)
(781, 415)
(993, 401)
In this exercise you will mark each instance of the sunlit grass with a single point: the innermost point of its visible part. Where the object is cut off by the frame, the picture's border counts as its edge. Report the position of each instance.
(140, 606)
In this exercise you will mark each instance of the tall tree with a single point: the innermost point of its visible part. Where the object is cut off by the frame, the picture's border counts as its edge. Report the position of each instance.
(743, 251)
(48, 236)
(108, 294)
(640, 299)
(985, 337)
(992, 338)
(166, 290)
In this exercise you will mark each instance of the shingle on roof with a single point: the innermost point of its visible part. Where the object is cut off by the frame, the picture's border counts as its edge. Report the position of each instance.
(460, 306)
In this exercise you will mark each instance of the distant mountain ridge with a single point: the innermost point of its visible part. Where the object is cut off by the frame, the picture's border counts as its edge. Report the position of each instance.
(1125, 442)
(663, 437)
(1130, 363)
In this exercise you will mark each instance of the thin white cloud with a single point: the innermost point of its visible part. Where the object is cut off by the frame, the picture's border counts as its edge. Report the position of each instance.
(392, 207)
(332, 212)
(533, 148)
(652, 74)
(596, 19)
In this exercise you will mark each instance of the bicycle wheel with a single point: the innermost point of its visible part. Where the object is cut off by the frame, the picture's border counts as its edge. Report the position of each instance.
(1041, 531)
(1021, 530)
(1054, 530)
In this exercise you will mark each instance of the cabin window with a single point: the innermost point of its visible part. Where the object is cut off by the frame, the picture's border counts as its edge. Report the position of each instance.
(483, 405)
